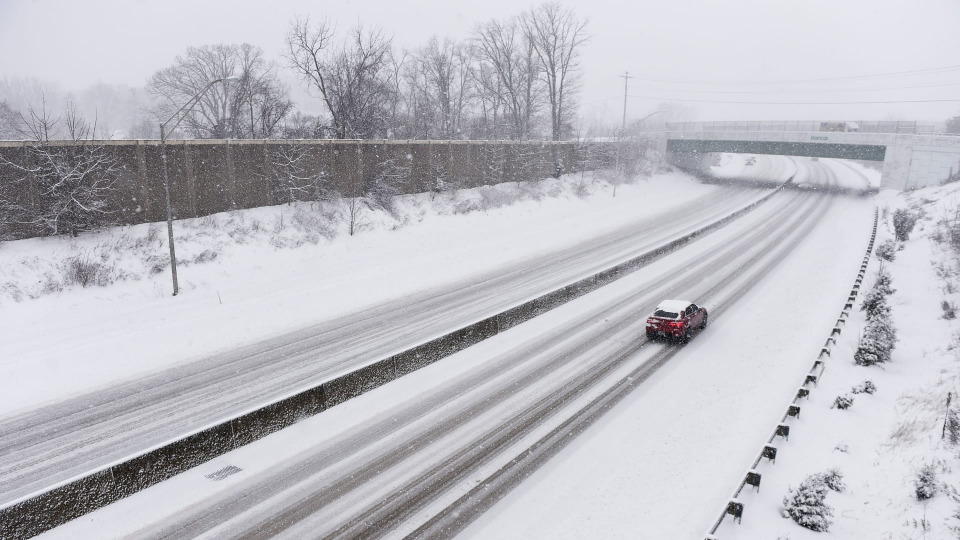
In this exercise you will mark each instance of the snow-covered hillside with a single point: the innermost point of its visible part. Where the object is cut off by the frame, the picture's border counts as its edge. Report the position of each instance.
(890, 443)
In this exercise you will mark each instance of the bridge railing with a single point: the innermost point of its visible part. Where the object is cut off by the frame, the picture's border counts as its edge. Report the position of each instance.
(808, 125)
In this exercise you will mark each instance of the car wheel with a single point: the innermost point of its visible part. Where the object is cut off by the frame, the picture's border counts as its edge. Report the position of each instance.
(704, 323)
(651, 336)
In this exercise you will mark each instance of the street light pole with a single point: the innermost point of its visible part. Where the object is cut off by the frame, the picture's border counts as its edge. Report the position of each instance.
(623, 122)
(626, 79)
(166, 190)
(166, 178)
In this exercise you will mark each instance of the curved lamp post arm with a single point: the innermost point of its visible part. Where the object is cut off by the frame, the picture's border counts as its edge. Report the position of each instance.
(188, 106)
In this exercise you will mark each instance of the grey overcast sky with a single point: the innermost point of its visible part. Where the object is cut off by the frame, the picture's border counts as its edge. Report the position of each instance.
(733, 50)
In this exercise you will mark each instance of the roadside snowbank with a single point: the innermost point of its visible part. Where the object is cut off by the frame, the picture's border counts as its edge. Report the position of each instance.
(881, 443)
(870, 175)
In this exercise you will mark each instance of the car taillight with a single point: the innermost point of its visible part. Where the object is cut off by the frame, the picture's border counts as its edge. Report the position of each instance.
(677, 324)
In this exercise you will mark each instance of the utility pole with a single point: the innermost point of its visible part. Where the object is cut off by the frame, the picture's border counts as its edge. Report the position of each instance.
(626, 79)
(623, 123)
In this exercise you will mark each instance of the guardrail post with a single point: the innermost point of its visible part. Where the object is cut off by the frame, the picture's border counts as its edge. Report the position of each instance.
(753, 479)
(770, 452)
(783, 430)
(735, 508)
(793, 410)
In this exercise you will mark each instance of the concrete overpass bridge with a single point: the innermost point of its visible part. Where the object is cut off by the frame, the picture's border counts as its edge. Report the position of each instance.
(912, 157)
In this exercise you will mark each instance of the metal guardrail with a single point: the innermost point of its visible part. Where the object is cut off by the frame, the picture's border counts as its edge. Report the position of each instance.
(861, 126)
(734, 506)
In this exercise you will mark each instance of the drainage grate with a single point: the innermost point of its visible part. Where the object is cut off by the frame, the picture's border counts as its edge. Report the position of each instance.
(223, 473)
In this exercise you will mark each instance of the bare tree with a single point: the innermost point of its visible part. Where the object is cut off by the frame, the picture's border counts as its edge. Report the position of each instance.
(418, 116)
(443, 70)
(953, 125)
(9, 123)
(556, 34)
(62, 188)
(260, 101)
(190, 74)
(301, 126)
(291, 175)
(354, 80)
(505, 51)
(354, 209)
(388, 181)
(252, 107)
(488, 89)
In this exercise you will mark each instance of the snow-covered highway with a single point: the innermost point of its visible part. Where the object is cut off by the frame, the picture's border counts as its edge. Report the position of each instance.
(430, 452)
(53, 444)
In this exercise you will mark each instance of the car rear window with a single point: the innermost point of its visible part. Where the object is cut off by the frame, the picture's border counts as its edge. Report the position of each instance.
(665, 314)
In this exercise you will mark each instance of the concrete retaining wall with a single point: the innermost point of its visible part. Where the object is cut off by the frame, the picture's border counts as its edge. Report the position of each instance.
(210, 176)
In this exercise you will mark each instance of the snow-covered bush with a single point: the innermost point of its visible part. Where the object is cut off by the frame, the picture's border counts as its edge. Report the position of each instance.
(880, 336)
(949, 310)
(866, 387)
(807, 504)
(874, 303)
(843, 402)
(903, 222)
(887, 250)
(884, 282)
(951, 426)
(925, 485)
(877, 343)
(833, 479)
(948, 228)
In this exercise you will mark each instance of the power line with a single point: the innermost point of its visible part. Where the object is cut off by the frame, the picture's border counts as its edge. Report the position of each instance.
(824, 79)
(820, 91)
(799, 102)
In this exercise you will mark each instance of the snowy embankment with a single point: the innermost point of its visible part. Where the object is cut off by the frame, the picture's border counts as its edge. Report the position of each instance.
(894, 444)
(869, 175)
(250, 275)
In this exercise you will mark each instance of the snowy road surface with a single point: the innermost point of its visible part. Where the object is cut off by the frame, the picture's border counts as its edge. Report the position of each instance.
(53, 444)
(432, 451)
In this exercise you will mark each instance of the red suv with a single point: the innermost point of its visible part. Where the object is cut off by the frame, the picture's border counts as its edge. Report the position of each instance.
(676, 318)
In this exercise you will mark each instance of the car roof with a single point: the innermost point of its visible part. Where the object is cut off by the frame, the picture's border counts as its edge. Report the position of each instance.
(674, 305)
